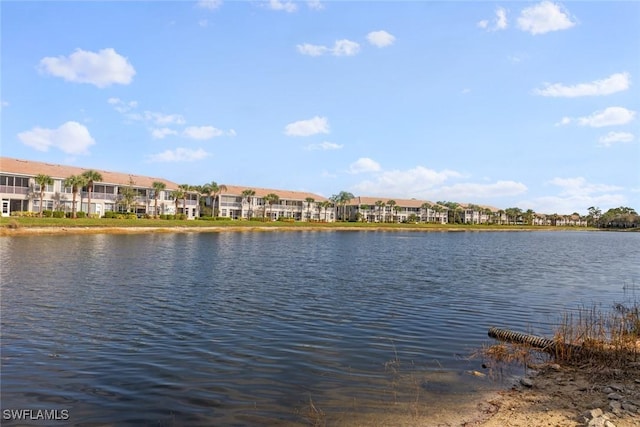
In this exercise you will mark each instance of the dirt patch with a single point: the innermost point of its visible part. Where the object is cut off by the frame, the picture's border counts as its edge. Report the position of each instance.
(566, 396)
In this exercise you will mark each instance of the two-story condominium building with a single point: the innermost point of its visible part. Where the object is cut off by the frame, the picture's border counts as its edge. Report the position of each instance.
(376, 209)
(238, 202)
(20, 192)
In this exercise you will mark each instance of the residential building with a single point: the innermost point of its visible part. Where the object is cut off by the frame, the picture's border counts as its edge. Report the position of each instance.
(236, 203)
(20, 192)
(376, 209)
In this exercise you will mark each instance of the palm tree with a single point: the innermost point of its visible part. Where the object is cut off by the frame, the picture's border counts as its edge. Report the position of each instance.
(365, 209)
(216, 190)
(248, 195)
(391, 203)
(380, 204)
(270, 198)
(76, 182)
(177, 195)
(43, 180)
(185, 192)
(325, 205)
(426, 206)
(158, 186)
(90, 177)
(309, 200)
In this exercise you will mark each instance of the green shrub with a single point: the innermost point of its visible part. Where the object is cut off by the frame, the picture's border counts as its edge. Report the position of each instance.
(131, 216)
(58, 214)
(81, 214)
(110, 214)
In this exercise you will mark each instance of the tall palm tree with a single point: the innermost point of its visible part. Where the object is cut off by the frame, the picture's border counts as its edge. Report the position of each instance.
(158, 186)
(391, 203)
(215, 190)
(248, 195)
(309, 201)
(177, 195)
(380, 204)
(43, 180)
(426, 206)
(90, 177)
(270, 198)
(186, 188)
(76, 182)
(365, 208)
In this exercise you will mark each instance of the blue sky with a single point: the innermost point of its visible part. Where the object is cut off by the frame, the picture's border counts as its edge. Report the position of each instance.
(510, 104)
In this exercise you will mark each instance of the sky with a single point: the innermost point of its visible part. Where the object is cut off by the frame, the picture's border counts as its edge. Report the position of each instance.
(509, 104)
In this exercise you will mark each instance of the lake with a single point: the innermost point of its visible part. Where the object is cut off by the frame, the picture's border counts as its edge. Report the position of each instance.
(282, 328)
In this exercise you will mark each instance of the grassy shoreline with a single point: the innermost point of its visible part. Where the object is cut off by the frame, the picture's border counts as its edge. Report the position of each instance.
(22, 225)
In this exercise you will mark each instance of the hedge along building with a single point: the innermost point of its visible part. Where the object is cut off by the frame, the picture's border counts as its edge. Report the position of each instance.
(20, 192)
(237, 202)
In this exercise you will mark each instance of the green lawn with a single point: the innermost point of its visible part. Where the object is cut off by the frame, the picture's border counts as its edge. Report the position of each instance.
(17, 222)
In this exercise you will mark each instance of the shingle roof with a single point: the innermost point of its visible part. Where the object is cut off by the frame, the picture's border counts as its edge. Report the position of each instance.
(371, 201)
(236, 190)
(31, 168)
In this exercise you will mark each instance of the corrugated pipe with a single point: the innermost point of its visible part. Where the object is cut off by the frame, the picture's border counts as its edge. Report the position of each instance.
(540, 343)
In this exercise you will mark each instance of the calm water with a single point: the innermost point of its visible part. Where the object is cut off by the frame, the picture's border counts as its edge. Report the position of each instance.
(248, 328)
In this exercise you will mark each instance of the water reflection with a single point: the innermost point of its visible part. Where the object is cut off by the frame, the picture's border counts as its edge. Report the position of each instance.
(248, 328)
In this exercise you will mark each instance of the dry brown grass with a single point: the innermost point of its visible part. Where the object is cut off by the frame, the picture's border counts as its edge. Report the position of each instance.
(590, 337)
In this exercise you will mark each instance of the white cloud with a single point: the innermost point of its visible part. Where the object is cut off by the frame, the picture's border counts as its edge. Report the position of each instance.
(315, 4)
(576, 195)
(501, 18)
(345, 48)
(544, 17)
(418, 181)
(287, 6)
(202, 132)
(380, 38)
(101, 69)
(579, 186)
(613, 137)
(312, 49)
(612, 84)
(474, 191)
(203, 23)
(159, 119)
(307, 127)
(121, 106)
(340, 48)
(5, 104)
(179, 155)
(500, 21)
(324, 146)
(363, 165)
(209, 4)
(161, 133)
(71, 138)
(611, 116)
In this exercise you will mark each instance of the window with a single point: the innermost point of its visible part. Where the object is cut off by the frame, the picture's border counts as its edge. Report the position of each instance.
(47, 188)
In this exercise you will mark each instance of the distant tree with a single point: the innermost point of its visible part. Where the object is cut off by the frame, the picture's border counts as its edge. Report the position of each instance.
(392, 204)
(365, 209)
(127, 196)
(309, 201)
(158, 186)
(186, 188)
(380, 205)
(270, 198)
(43, 180)
(426, 206)
(76, 182)
(248, 196)
(215, 190)
(177, 195)
(91, 177)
